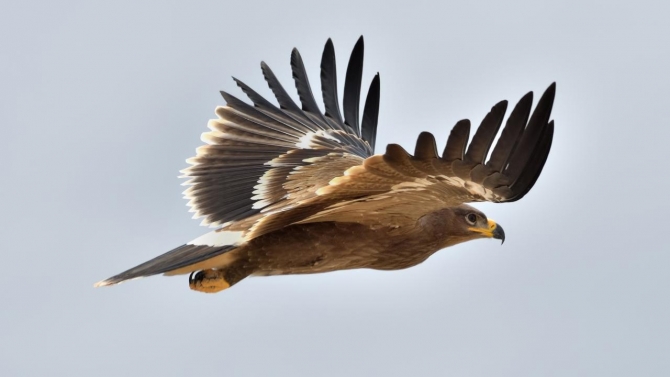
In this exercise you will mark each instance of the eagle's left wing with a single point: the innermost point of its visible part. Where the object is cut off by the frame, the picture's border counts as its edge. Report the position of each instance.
(261, 158)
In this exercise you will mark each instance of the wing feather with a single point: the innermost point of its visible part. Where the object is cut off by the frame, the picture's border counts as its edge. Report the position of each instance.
(305, 91)
(487, 131)
(531, 134)
(352, 87)
(457, 141)
(329, 84)
(511, 133)
(534, 167)
(371, 113)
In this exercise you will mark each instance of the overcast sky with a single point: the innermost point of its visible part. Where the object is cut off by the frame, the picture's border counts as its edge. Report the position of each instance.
(101, 103)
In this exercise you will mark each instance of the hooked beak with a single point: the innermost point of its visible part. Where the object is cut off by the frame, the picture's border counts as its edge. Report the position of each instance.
(493, 231)
(499, 233)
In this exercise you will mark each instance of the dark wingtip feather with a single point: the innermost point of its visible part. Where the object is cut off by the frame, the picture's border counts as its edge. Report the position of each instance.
(285, 102)
(352, 86)
(395, 153)
(226, 96)
(371, 113)
(255, 98)
(486, 132)
(302, 84)
(552, 87)
(329, 82)
(534, 168)
(532, 134)
(511, 133)
(233, 101)
(425, 148)
(457, 141)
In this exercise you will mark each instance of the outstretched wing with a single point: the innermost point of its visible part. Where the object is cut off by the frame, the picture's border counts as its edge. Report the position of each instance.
(263, 158)
(401, 186)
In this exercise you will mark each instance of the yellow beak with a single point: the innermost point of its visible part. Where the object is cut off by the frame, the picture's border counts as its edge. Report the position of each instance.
(492, 231)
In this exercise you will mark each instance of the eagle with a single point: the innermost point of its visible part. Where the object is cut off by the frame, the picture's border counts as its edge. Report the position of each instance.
(292, 189)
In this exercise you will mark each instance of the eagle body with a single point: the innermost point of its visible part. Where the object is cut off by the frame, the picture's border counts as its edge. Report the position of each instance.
(292, 189)
(331, 246)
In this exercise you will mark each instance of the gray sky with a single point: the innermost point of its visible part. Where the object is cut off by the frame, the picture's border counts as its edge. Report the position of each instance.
(101, 103)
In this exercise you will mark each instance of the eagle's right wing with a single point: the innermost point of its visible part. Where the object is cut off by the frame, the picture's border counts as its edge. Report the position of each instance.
(397, 187)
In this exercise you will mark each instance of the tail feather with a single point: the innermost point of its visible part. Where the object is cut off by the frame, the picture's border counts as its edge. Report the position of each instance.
(179, 257)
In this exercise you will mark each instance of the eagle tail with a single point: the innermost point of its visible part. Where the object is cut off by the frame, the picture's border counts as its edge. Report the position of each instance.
(181, 260)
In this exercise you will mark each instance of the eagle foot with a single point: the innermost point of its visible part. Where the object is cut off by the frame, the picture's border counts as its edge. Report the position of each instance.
(207, 281)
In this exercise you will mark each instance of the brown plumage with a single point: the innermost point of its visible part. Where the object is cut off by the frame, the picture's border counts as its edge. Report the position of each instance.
(292, 190)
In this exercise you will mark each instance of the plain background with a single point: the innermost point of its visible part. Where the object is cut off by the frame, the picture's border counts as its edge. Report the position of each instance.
(101, 103)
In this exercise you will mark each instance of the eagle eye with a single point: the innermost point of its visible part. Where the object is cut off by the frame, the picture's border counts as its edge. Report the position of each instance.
(471, 218)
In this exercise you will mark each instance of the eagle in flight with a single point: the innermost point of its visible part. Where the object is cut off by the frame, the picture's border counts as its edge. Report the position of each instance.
(294, 190)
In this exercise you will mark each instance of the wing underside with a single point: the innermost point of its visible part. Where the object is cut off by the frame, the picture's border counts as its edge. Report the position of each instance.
(253, 151)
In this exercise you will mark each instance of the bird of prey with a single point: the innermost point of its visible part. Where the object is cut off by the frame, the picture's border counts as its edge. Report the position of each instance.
(294, 190)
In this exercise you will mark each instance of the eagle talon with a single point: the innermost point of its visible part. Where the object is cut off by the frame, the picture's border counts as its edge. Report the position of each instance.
(207, 281)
